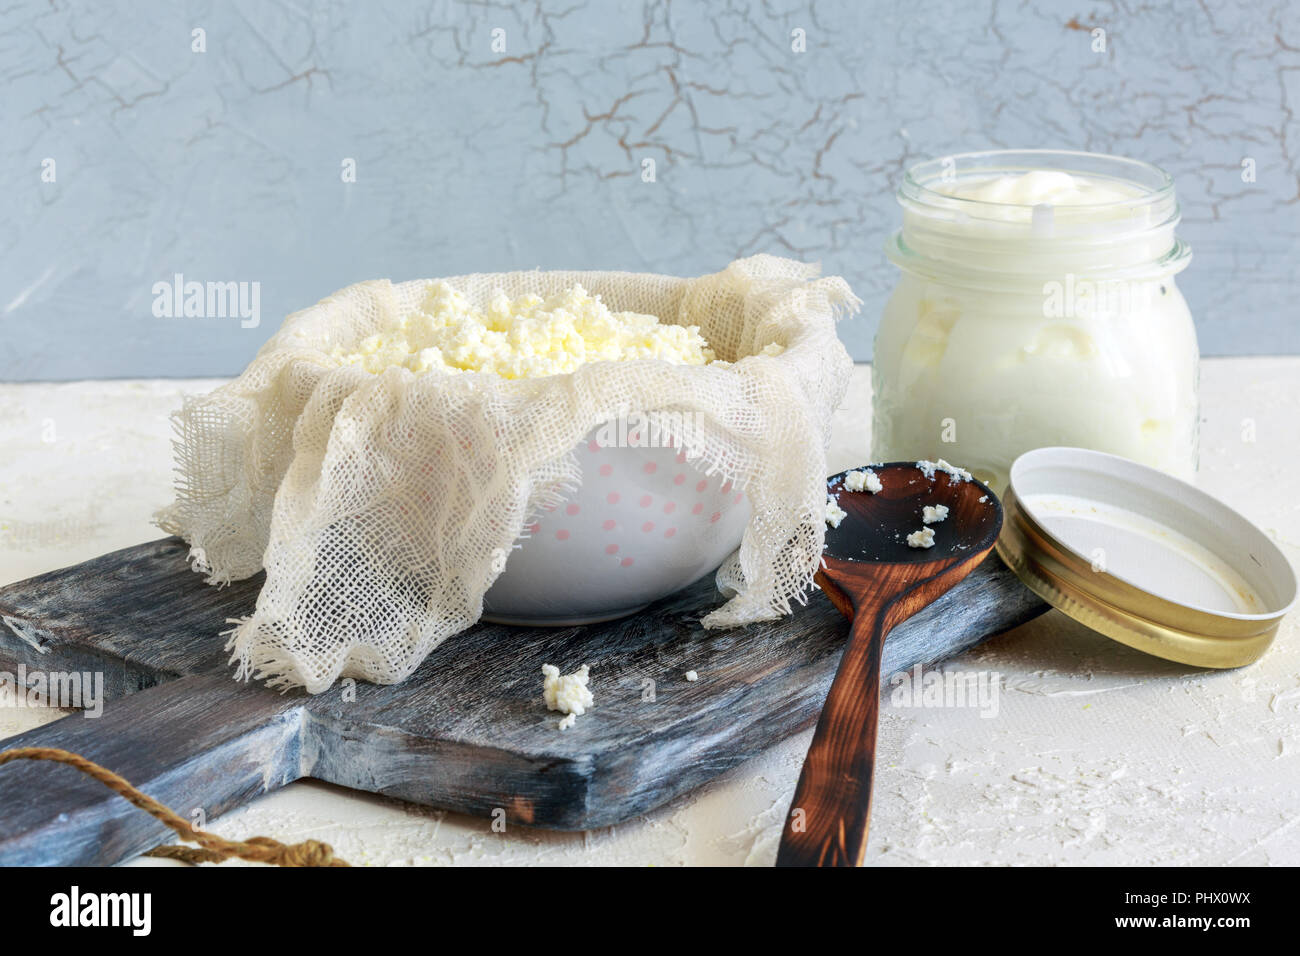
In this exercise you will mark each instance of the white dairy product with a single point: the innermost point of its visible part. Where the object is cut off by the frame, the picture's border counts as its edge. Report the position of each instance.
(834, 513)
(567, 693)
(957, 473)
(928, 468)
(1022, 191)
(1036, 306)
(921, 539)
(526, 337)
(864, 479)
(692, 676)
(933, 514)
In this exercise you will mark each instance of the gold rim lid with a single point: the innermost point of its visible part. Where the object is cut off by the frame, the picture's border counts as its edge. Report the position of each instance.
(1144, 558)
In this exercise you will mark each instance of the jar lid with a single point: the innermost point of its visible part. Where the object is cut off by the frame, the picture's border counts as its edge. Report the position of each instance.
(1144, 558)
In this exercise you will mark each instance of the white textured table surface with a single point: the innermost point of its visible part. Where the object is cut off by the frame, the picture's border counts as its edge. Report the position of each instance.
(1097, 754)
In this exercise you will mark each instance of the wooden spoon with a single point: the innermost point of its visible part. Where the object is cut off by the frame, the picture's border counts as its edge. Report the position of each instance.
(876, 580)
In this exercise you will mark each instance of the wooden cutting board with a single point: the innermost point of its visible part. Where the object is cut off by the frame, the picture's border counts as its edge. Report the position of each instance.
(468, 731)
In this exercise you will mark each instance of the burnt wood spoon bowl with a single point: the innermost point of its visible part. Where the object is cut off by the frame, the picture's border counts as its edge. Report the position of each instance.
(876, 580)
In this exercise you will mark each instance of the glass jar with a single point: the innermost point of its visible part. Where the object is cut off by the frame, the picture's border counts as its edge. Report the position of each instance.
(1036, 306)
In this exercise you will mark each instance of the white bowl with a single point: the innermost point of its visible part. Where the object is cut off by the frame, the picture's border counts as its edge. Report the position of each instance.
(644, 523)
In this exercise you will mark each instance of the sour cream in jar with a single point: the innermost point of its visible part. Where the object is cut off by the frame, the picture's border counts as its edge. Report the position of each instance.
(1036, 306)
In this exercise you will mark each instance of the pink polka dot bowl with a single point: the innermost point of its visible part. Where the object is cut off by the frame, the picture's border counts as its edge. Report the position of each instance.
(645, 522)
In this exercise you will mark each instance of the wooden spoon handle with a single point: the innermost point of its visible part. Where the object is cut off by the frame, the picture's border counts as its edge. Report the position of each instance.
(827, 824)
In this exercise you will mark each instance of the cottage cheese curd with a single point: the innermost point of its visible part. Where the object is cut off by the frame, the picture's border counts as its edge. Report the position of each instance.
(954, 472)
(1036, 306)
(864, 479)
(921, 539)
(525, 337)
(834, 513)
(933, 514)
(567, 693)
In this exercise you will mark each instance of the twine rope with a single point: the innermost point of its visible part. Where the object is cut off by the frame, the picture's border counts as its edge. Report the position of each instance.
(211, 848)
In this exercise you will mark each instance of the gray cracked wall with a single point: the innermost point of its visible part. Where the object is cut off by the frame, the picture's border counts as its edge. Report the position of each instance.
(226, 165)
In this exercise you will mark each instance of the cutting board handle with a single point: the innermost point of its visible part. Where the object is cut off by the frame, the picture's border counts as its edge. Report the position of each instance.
(215, 744)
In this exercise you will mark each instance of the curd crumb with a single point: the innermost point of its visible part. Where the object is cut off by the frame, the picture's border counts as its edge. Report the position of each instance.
(921, 539)
(928, 468)
(932, 514)
(834, 513)
(566, 693)
(692, 676)
(864, 479)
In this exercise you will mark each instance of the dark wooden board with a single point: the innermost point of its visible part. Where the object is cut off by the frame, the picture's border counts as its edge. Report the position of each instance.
(467, 732)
